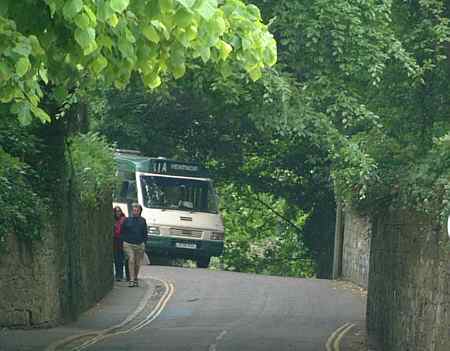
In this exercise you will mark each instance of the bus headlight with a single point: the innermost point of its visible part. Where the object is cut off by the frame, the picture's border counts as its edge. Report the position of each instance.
(152, 230)
(216, 236)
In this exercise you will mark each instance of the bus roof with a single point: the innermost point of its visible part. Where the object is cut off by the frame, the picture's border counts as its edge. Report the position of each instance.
(159, 165)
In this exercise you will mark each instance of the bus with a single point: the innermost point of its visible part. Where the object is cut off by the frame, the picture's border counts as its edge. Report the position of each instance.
(178, 202)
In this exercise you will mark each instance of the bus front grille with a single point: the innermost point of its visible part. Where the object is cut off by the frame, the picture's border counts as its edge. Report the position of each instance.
(186, 233)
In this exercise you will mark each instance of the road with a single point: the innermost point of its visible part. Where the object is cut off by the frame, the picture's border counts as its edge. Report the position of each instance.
(205, 310)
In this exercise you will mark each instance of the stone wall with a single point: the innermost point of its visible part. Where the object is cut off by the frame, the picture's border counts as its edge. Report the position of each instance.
(29, 282)
(48, 282)
(356, 248)
(408, 304)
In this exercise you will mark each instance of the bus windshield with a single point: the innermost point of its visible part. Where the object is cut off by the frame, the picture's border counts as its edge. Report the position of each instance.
(178, 193)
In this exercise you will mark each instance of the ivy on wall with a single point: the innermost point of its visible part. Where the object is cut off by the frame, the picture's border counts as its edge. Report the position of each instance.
(91, 163)
(23, 210)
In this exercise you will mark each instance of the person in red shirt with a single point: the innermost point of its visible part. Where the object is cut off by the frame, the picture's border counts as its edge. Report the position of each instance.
(119, 256)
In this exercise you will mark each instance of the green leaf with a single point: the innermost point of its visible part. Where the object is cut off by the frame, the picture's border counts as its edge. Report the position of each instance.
(166, 5)
(105, 41)
(99, 64)
(22, 110)
(83, 37)
(113, 20)
(127, 49)
(206, 8)
(152, 80)
(119, 5)
(5, 72)
(52, 5)
(151, 34)
(104, 11)
(41, 114)
(82, 21)
(23, 48)
(161, 27)
(147, 67)
(152, 9)
(224, 49)
(246, 44)
(178, 71)
(36, 46)
(182, 38)
(186, 3)
(254, 72)
(219, 25)
(183, 17)
(270, 56)
(43, 75)
(7, 94)
(129, 36)
(191, 32)
(254, 11)
(86, 39)
(71, 8)
(22, 66)
(90, 14)
(205, 54)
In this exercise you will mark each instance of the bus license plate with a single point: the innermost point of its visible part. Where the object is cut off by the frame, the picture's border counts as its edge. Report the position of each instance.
(186, 246)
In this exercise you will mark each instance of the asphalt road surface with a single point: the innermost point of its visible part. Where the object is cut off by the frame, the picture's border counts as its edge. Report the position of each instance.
(205, 310)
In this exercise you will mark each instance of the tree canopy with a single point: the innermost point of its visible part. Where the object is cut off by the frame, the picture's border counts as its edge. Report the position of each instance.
(356, 108)
(65, 44)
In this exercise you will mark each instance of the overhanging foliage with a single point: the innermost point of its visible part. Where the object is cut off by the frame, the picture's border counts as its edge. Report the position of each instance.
(65, 44)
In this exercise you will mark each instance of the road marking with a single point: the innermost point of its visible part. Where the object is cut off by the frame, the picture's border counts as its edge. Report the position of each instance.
(96, 336)
(170, 290)
(333, 342)
(221, 335)
(337, 341)
(213, 347)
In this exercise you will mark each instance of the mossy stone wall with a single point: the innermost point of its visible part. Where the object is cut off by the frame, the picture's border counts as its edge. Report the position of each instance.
(44, 283)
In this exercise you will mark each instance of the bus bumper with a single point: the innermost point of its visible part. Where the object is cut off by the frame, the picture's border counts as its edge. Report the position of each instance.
(182, 248)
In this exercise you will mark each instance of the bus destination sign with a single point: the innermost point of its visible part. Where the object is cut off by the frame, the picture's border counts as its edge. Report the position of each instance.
(175, 168)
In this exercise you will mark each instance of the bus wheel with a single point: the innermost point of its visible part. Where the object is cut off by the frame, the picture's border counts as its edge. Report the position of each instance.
(203, 262)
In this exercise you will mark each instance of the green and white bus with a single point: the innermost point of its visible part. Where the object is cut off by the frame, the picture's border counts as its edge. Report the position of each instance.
(179, 204)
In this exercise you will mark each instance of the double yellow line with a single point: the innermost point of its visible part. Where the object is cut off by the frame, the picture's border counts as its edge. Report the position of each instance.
(126, 326)
(333, 342)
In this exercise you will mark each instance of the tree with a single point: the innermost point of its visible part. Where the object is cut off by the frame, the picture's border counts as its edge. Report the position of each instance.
(64, 45)
(357, 107)
(264, 234)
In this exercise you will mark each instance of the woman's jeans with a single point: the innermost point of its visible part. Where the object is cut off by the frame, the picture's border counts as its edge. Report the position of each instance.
(119, 260)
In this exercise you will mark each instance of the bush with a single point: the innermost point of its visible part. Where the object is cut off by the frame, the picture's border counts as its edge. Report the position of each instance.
(23, 210)
(92, 165)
